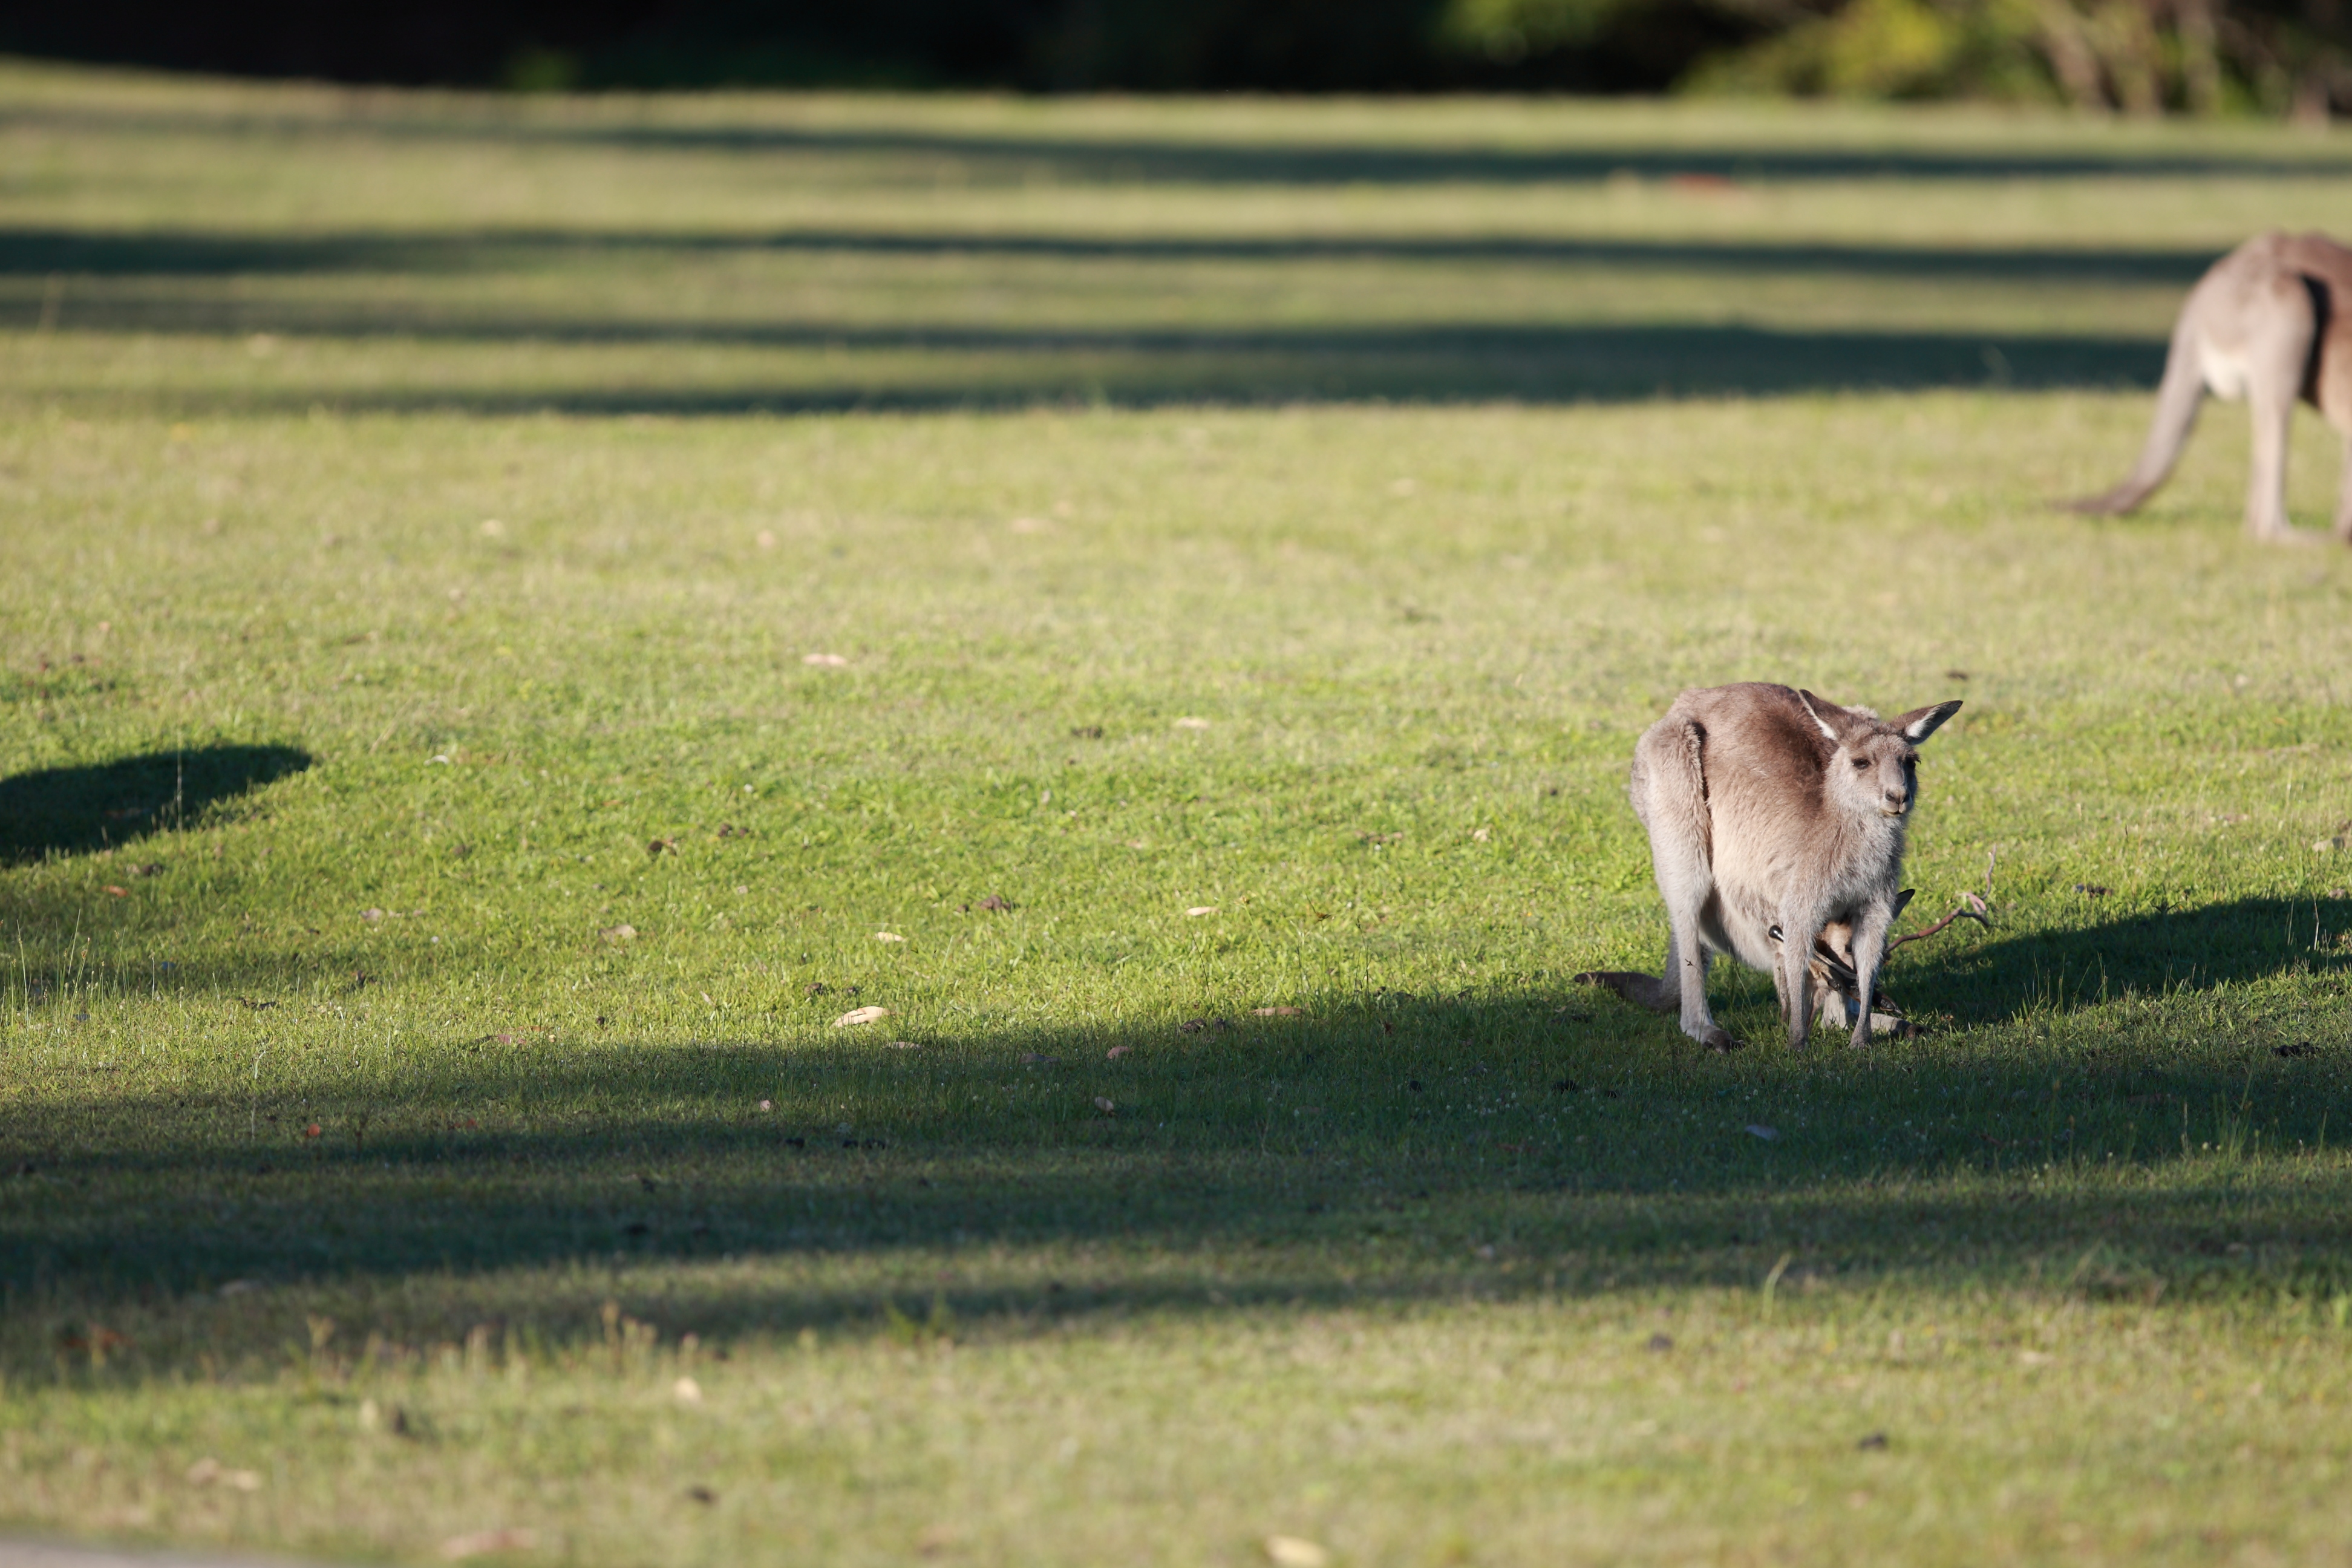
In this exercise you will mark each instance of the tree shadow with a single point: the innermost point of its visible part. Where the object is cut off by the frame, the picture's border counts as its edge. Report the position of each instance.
(190, 253)
(1166, 160)
(99, 805)
(980, 157)
(1382, 1148)
(2146, 954)
(986, 368)
(912, 365)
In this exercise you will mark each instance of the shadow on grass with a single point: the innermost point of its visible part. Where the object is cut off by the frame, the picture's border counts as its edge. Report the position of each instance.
(988, 368)
(2149, 954)
(980, 157)
(915, 365)
(1239, 161)
(1387, 1148)
(190, 253)
(100, 805)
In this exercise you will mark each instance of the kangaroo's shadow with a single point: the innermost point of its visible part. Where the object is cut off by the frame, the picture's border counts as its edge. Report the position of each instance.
(2151, 952)
(95, 806)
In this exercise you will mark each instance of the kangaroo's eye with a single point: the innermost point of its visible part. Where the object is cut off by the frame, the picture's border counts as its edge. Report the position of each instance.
(1860, 764)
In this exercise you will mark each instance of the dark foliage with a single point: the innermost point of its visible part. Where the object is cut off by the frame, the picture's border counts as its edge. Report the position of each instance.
(1036, 44)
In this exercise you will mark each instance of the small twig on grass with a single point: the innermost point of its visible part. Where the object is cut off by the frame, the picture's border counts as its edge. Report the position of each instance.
(1959, 913)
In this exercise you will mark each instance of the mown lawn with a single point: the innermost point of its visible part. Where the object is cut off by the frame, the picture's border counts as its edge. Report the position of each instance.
(519, 615)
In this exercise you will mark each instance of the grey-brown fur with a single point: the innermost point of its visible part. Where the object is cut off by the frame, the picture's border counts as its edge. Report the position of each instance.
(1776, 824)
(2270, 323)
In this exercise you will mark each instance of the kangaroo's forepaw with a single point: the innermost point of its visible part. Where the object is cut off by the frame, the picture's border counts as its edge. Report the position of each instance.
(1717, 1039)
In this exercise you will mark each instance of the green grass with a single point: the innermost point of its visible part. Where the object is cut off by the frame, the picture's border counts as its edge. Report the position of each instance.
(434, 863)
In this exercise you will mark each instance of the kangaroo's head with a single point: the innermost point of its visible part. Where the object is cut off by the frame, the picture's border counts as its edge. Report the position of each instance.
(1875, 768)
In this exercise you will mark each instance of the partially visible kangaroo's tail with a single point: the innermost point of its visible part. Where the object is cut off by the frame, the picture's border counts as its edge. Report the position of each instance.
(1642, 990)
(2177, 398)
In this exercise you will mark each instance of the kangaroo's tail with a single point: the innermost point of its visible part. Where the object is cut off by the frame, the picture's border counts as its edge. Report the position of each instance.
(1642, 990)
(2177, 398)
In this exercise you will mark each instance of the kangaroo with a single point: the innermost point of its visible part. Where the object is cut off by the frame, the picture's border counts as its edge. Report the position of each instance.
(2261, 324)
(1776, 823)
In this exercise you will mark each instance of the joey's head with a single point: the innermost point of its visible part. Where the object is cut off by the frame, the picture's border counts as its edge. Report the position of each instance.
(1875, 769)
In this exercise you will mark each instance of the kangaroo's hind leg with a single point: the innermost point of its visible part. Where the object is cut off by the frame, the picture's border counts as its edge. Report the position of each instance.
(1670, 797)
(2344, 497)
(2277, 362)
(1793, 975)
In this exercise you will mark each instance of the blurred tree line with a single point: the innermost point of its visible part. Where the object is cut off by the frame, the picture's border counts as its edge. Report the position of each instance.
(2139, 57)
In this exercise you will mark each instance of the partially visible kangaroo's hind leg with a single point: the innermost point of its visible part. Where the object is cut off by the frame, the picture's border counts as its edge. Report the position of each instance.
(2277, 361)
(1669, 792)
(2344, 497)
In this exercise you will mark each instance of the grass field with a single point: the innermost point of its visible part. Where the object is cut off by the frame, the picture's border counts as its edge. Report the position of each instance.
(518, 614)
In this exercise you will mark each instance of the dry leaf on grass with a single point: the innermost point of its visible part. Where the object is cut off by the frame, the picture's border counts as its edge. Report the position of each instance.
(618, 934)
(887, 936)
(118, 892)
(824, 660)
(1118, 1051)
(1197, 910)
(1104, 1104)
(688, 1391)
(1188, 722)
(1295, 1552)
(1284, 1011)
(901, 1046)
(856, 1015)
(1758, 1130)
(482, 1542)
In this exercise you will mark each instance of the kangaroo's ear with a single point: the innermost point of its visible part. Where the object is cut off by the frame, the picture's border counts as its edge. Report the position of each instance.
(1813, 705)
(1922, 722)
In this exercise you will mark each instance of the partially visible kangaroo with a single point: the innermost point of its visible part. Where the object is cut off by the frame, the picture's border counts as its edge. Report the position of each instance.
(1776, 824)
(2270, 323)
